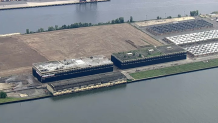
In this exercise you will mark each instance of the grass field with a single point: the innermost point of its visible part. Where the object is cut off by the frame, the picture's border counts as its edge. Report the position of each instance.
(175, 69)
(10, 99)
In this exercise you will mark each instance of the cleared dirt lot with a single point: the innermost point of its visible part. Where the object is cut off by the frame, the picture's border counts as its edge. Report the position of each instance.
(15, 55)
(87, 41)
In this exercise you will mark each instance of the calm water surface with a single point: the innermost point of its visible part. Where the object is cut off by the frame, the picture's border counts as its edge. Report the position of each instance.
(20, 19)
(185, 98)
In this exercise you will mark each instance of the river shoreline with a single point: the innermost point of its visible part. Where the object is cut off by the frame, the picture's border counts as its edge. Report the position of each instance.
(133, 81)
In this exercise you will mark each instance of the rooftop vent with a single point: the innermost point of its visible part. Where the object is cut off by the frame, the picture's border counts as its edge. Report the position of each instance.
(169, 48)
(129, 53)
(151, 50)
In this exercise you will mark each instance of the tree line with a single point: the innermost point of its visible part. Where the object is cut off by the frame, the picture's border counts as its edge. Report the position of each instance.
(116, 21)
(192, 13)
(78, 25)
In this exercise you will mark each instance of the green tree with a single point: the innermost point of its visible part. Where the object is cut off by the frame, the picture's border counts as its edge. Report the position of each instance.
(80, 24)
(64, 26)
(194, 13)
(179, 16)
(169, 17)
(27, 31)
(113, 21)
(38, 30)
(51, 28)
(85, 24)
(117, 21)
(75, 25)
(68, 26)
(131, 19)
(158, 17)
(56, 27)
(3, 94)
(121, 19)
(41, 30)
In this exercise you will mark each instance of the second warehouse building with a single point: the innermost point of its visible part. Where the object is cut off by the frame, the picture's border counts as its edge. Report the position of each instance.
(148, 56)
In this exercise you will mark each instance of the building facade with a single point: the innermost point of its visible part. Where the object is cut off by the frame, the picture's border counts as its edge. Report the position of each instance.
(166, 54)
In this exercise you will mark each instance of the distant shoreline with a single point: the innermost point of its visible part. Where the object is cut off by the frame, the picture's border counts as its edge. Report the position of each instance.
(45, 4)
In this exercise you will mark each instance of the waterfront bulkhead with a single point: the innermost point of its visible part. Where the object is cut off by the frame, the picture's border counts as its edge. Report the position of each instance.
(86, 83)
(71, 68)
(148, 56)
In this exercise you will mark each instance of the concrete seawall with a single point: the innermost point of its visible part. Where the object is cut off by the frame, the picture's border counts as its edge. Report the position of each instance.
(45, 4)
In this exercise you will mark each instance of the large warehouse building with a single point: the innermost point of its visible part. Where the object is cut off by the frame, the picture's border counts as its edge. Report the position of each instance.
(71, 68)
(148, 56)
(86, 83)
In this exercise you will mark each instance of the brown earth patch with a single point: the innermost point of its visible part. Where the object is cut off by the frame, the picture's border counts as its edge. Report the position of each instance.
(97, 40)
(15, 54)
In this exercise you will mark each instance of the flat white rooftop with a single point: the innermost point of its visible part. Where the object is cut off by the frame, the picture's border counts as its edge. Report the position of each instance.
(71, 64)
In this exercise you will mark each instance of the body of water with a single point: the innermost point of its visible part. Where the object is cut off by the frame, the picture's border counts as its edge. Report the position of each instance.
(184, 98)
(19, 20)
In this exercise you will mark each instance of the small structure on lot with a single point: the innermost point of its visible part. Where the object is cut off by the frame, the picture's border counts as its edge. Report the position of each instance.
(71, 68)
(86, 83)
(148, 56)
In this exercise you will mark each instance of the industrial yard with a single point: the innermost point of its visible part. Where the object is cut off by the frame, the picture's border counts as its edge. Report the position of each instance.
(65, 44)
(199, 40)
(136, 51)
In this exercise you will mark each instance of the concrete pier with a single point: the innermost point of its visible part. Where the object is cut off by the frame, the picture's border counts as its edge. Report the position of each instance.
(22, 5)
